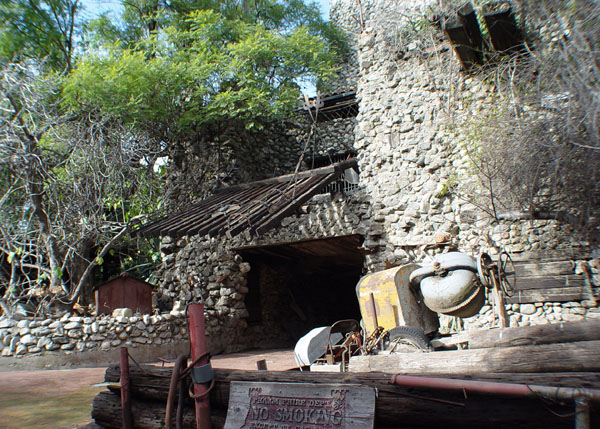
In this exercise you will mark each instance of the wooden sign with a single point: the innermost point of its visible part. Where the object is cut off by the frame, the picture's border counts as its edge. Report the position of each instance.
(299, 406)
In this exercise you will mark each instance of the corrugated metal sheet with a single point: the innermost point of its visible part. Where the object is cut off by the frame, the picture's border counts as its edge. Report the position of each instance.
(257, 205)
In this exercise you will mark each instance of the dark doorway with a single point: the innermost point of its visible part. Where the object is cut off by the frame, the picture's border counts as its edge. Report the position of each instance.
(295, 287)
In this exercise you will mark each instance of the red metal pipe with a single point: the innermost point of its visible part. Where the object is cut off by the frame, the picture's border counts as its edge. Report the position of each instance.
(511, 389)
(126, 416)
(468, 385)
(198, 348)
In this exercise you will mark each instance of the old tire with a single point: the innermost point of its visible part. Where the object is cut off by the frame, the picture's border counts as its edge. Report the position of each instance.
(406, 339)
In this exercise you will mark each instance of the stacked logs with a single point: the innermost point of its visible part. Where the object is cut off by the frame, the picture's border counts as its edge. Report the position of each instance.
(564, 363)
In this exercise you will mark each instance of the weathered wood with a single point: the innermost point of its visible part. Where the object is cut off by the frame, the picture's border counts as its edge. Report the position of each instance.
(468, 18)
(106, 411)
(414, 407)
(502, 26)
(551, 255)
(156, 388)
(329, 169)
(549, 282)
(576, 356)
(279, 405)
(531, 335)
(460, 41)
(560, 294)
(544, 268)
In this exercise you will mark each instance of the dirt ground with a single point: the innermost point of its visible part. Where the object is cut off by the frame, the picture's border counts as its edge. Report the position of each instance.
(63, 398)
(48, 399)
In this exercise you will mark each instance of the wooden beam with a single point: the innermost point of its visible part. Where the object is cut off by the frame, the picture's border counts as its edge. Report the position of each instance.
(577, 356)
(530, 335)
(462, 44)
(550, 282)
(413, 407)
(323, 171)
(544, 268)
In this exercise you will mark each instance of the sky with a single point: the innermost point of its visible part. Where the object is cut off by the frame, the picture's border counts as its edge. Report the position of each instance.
(98, 6)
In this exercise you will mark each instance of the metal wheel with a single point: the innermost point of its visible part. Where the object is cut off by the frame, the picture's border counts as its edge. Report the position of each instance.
(483, 269)
(507, 276)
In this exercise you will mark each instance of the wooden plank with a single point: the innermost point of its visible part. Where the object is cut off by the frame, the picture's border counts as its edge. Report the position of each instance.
(529, 335)
(550, 282)
(299, 405)
(544, 268)
(576, 356)
(560, 294)
(468, 18)
(462, 44)
(551, 255)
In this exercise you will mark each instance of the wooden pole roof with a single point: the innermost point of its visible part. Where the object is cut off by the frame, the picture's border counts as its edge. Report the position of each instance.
(257, 205)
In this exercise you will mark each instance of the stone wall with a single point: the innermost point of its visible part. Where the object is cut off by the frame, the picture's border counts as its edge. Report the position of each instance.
(408, 139)
(74, 334)
(237, 155)
(203, 268)
(410, 158)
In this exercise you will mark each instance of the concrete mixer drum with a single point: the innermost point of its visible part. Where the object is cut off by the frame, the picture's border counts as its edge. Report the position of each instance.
(450, 285)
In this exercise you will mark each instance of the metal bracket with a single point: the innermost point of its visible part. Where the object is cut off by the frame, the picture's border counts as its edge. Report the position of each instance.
(202, 374)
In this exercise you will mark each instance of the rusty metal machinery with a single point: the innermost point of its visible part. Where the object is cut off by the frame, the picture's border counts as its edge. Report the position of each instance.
(500, 278)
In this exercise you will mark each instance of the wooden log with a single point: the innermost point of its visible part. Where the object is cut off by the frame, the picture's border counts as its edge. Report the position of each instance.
(412, 406)
(530, 335)
(156, 388)
(106, 411)
(576, 356)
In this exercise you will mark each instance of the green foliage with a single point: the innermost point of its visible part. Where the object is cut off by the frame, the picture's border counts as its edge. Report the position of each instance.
(448, 187)
(215, 70)
(38, 29)
(79, 143)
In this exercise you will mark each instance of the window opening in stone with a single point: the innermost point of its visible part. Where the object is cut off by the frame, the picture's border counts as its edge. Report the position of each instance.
(298, 286)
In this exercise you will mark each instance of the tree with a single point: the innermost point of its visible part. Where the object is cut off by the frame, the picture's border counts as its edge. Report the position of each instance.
(142, 19)
(195, 82)
(79, 144)
(217, 70)
(72, 183)
(39, 29)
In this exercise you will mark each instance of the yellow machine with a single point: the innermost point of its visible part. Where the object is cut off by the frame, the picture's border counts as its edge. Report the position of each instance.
(386, 300)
